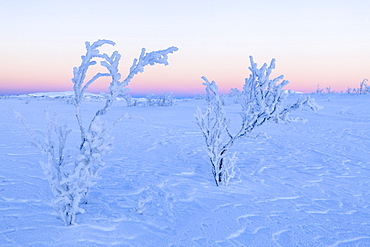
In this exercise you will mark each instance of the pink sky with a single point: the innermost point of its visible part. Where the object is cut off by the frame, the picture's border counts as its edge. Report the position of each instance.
(313, 42)
(182, 78)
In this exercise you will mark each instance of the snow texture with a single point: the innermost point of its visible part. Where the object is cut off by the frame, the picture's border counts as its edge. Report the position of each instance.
(307, 185)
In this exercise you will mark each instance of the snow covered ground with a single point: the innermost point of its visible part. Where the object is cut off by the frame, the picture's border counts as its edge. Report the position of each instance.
(308, 184)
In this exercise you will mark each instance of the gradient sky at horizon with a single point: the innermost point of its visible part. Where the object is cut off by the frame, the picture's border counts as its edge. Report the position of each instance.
(324, 42)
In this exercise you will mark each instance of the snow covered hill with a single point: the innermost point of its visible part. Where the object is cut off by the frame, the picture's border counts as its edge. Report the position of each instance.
(52, 96)
(308, 184)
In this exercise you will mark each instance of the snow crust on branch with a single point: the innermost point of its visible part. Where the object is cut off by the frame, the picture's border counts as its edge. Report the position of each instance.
(214, 125)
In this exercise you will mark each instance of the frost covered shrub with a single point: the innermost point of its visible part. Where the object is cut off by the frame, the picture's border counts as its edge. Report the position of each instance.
(129, 100)
(150, 99)
(235, 93)
(262, 101)
(364, 88)
(214, 126)
(164, 99)
(319, 90)
(72, 176)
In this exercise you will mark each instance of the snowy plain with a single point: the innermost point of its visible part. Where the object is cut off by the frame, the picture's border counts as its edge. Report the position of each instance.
(306, 184)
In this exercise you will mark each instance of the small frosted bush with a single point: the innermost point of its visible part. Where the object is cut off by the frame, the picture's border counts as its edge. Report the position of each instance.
(71, 177)
(262, 101)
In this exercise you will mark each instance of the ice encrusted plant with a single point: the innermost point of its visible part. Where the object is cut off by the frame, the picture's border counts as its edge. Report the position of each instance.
(71, 177)
(214, 126)
(364, 88)
(164, 99)
(262, 100)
